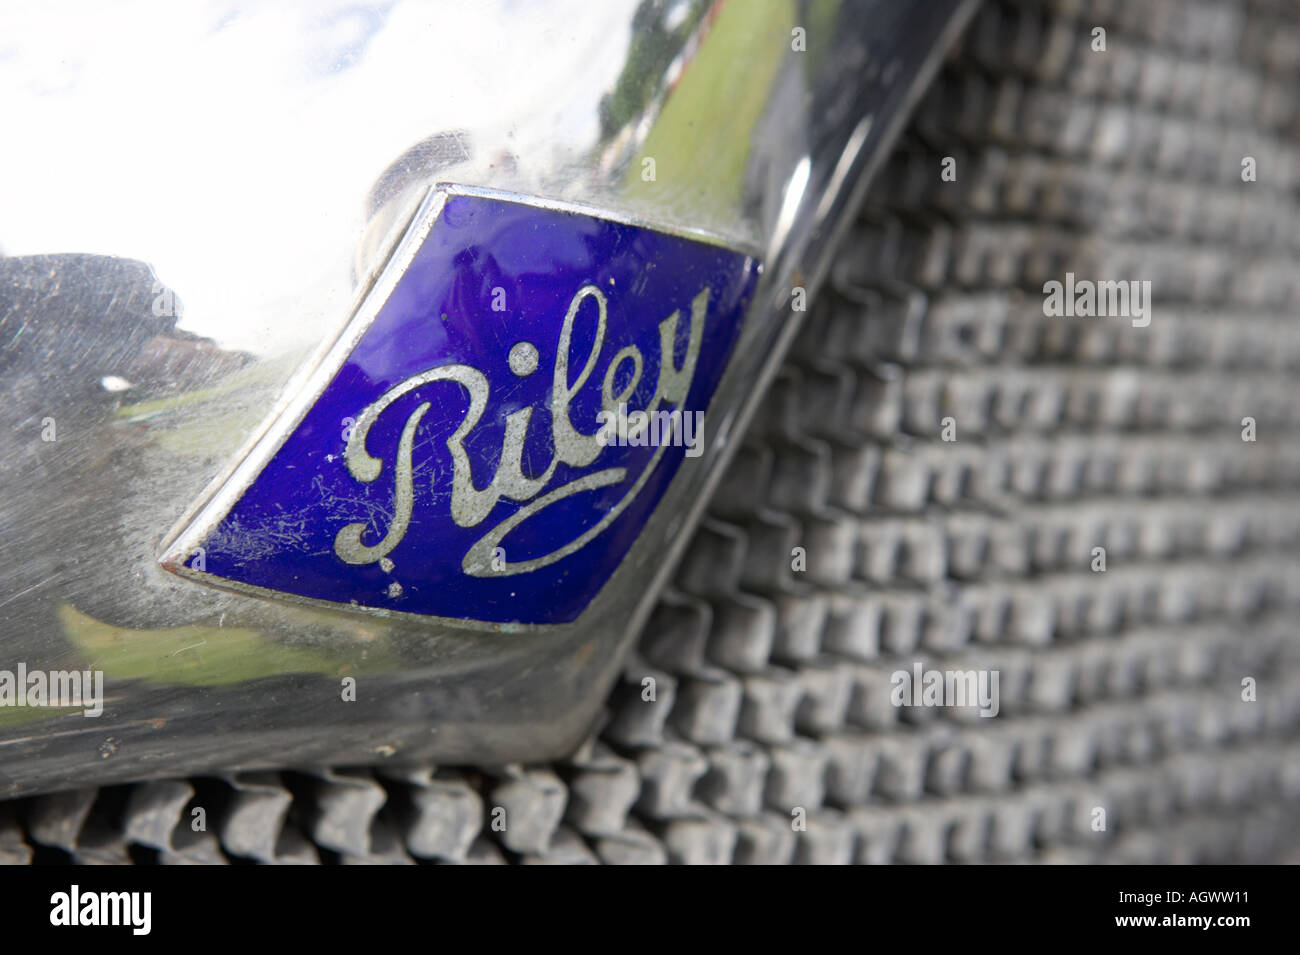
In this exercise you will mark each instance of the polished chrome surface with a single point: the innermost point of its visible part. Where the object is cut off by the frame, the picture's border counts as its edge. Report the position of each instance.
(193, 200)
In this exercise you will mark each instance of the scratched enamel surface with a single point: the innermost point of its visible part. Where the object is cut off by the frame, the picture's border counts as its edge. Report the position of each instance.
(394, 491)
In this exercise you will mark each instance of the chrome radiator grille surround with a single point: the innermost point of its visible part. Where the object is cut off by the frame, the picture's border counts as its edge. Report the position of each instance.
(1120, 690)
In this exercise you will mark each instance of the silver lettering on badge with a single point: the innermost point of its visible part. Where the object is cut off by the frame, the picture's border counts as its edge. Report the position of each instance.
(470, 505)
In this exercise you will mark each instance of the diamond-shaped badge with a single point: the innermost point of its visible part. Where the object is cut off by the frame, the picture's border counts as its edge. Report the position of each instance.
(495, 426)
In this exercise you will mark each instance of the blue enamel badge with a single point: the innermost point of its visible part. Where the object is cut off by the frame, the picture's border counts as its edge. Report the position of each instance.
(496, 425)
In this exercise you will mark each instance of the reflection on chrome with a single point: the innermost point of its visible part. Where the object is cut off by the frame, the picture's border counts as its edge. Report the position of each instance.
(195, 197)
